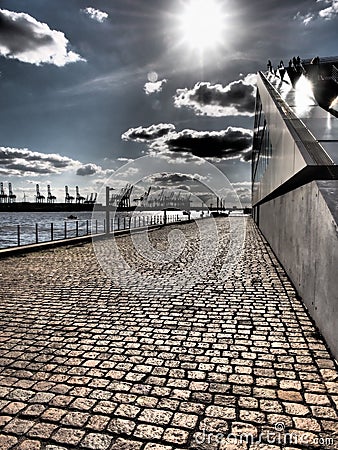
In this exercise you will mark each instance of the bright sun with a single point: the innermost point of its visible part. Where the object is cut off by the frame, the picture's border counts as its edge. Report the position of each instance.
(202, 23)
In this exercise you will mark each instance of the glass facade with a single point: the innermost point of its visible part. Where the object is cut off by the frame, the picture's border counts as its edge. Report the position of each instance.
(287, 145)
(262, 148)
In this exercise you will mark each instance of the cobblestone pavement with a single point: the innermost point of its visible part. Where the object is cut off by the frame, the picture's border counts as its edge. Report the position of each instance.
(90, 362)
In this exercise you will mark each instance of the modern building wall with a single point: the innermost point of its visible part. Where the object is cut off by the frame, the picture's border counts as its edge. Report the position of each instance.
(303, 233)
(295, 197)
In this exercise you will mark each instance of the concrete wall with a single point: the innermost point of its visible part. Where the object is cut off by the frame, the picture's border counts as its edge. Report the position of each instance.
(301, 227)
(287, 158)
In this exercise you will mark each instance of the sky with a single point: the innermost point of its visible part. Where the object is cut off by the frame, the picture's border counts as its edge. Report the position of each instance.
(89, 87)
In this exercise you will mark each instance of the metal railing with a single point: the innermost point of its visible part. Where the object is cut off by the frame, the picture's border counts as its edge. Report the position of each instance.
(334, 73)
(40, 233)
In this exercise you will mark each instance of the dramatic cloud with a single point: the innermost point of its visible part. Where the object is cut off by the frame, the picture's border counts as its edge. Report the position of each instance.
(177, 179)
(88, 169)
(229, 143)
(331, 11)
(141, 134)
(163, 139)
(24, 38)
(235, 99)
(153, 87)
(327, 13)
(21, 161)
(95, 14)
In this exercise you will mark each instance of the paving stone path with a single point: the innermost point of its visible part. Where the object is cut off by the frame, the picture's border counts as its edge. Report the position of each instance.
(171, 360)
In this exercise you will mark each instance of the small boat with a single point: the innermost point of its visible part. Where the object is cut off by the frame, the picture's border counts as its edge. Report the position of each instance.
(71, 217)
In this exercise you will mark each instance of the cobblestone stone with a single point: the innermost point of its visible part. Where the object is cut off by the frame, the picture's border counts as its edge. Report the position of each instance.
(7, 442)
(89, 361)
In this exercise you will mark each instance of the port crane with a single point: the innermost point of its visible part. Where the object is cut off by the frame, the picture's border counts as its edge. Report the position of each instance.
(39, 198)
(50, 198)
(3, 195)
(68, 198)
(79, 198)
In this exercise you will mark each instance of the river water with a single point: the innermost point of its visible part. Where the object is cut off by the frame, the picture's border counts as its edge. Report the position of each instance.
(28, 222)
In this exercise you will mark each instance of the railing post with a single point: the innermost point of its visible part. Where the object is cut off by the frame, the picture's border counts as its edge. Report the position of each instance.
(87, 227)
(65, 229)
(52, 231)
(118, 223)
(96, 226)
(77, 228)
(19, 240)
(37, 233)
(124, 222)
(107, 210)
(104, 225)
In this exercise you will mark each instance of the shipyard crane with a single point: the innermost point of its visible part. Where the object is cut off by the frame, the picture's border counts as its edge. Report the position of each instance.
(79, 198)
(122, 199)
(146, 201)
(68, 198)
(146, 195)
(90, 200)
(11, 195)
(3, 195)
(125, 197)
(39, 198)
(50, 198)
(143, 198)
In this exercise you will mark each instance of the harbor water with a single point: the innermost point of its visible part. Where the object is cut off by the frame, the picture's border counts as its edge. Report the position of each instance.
(35, 227)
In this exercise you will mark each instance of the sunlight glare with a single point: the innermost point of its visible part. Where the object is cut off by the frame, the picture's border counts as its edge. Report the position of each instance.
(202, 23)
(334, 104)
(303, 95)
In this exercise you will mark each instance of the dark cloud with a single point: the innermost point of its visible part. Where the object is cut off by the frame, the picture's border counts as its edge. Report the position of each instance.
(141, 134)
(15, 161)
(237, 98)
(22, 37)
(88, 169)
(176, 179)
(23, 168)
(228, 143)
(246, 156)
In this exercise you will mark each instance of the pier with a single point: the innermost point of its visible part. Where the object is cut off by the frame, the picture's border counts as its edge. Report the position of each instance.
(91, 361)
